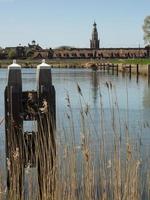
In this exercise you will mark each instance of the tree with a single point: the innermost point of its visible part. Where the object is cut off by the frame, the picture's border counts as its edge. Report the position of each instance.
(1, 53)
(12, 54)
(146, 29)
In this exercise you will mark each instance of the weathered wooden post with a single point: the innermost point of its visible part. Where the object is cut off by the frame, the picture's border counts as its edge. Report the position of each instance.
(137, 73)
(123, 70)
(137, 69)
(13, 131)
(148, 74)
(112, 66)
(117, 69)
(130, 71)
(46, 130)
(104, 66)
(108, 68)
(23, 148)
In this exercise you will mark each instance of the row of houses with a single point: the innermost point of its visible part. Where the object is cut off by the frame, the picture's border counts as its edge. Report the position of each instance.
(101, 53)
(87, 53)
(34, 51)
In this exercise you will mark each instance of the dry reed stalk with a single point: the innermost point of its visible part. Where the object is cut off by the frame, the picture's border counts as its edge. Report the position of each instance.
(88, 170)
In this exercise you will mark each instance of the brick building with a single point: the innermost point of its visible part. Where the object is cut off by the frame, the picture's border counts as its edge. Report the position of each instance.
(94, 51)
(35, 51)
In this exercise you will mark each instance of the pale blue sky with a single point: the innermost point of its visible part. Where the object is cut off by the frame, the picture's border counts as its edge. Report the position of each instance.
(67, 22)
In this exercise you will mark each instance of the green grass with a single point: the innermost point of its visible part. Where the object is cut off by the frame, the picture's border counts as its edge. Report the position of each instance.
(54, 62)
(75, 62)
(140, 61)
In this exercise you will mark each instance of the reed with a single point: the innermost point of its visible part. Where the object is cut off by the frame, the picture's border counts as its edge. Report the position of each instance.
(85, 161)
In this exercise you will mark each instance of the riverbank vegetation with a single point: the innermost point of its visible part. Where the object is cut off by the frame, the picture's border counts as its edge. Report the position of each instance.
(75, 63)
(91, 162)
(140, 61)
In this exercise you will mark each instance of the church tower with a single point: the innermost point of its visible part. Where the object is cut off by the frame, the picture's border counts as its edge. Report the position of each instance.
(94, 42)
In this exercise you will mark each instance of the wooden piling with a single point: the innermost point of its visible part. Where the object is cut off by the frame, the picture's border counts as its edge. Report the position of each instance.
(137, 69)
(117, 69)
(21, 146)
(123, 70)
(13, 132)
(46, 127)
(112, 66)
(137, 73)
(108, 68)
(104, 67)
(149, 74)
(130, 71)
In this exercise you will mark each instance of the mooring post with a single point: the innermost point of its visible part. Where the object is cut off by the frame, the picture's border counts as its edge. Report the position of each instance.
(149, 74)
(137, 73)
(104, 66)
(108, 67)
(46, 128)
(13, 132)
(130, 71)
(24, 148)
(117, 69)
(112, 66)
(137, 69)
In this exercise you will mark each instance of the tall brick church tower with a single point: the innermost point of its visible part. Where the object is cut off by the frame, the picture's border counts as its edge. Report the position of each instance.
(94, 42)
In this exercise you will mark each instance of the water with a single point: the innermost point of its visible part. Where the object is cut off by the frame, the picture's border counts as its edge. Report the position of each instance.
(132, 98)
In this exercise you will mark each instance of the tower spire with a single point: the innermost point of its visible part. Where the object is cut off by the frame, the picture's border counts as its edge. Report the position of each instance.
(94, 42)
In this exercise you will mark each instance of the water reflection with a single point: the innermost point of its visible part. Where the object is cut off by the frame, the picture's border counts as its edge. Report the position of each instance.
(95, 85)
(146, 96)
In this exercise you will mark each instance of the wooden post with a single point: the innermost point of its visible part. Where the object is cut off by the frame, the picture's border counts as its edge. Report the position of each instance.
(46, 129)
(21, 146)
(130, 71)
(108, 68)
(104, 67)
(149, 74)
(112, 66)
(117, 69)
(14, 134)
(137, 69)
(137, 73)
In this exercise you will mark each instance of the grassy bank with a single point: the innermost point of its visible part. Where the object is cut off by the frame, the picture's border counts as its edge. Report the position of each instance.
(140, 61)
(74, 62)
(54, 62)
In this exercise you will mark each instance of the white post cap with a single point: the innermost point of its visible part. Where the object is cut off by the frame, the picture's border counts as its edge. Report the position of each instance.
(14, 65)
(43, 65)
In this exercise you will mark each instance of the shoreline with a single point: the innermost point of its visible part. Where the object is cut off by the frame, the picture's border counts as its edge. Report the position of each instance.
(86, 63)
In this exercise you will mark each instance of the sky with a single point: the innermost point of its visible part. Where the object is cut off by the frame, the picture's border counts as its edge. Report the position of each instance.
(54, 23)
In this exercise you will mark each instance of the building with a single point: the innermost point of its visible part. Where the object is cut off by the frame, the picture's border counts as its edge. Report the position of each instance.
(20, 51)
(94, 42)
(35, 47)
(94, 51)
(34, 51)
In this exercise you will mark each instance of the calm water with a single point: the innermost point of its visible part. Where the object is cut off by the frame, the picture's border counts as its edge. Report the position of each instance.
(129, 94)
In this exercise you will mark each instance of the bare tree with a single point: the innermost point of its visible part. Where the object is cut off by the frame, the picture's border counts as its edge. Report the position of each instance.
(146, 29)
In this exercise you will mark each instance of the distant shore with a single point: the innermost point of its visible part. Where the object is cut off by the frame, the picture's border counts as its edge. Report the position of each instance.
(83, 63)
(56, 63)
